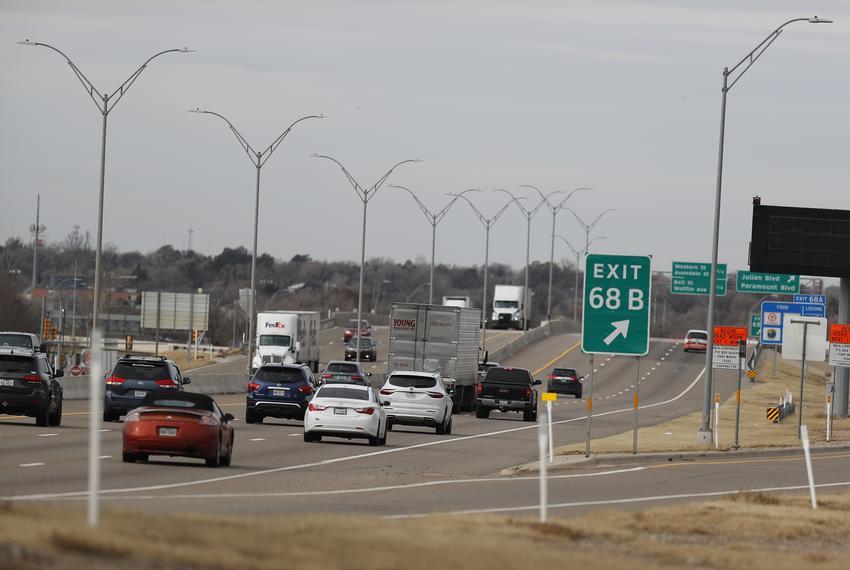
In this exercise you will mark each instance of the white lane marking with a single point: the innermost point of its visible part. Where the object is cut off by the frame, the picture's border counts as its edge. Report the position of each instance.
(330, 342)
(601, 364)
(42, 496)
(381, 489)
(104, 430)
(662, 358)
(595, 370)
(47, 434)
(620, 393)
(622, 501)
(608, 359)
(257, 439)
(649, 373)
(105, 457)
(295, 434)
(653, 368)
(37, 464)
(668, 433)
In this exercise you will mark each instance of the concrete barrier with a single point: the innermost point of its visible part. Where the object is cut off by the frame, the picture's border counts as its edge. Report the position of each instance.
(546, 330)
(77, 388)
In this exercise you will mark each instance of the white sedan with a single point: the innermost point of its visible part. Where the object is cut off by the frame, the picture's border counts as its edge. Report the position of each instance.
(346, 410)
(418, 399)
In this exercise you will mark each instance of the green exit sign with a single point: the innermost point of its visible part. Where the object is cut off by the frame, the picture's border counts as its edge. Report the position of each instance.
(755, 282)
(689, 278)
(615, 319)
(755, 325)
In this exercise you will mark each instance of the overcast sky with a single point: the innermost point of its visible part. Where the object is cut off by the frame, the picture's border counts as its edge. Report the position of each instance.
(620, 96)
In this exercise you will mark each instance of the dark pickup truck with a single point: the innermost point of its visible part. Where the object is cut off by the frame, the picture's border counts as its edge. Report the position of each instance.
(507, 390)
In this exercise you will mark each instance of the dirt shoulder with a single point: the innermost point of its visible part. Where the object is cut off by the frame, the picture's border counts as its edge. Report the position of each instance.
(755, 431)
(744, 531)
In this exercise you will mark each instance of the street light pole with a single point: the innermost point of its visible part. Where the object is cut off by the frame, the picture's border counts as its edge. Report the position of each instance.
(736, 72)
(258, 159)
(488, 223)
(365, 195)
(105, 102)
(554, 210)
(433, 219)
(578, 253)
(589, 227)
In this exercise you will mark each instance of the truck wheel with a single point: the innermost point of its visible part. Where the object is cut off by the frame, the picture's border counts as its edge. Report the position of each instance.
(481, 412)
(578, 395)
(528, 415)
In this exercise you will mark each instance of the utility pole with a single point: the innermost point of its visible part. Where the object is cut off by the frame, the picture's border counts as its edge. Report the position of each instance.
(191, 231)
(36, 229)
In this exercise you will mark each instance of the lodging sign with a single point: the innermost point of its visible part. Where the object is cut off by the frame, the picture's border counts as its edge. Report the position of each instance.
(839, 345)
(754, 282)
(695, 278)
(772, 314)
(615, 319)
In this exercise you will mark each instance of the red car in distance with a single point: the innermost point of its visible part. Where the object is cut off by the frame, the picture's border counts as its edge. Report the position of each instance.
(696, 340)
(351, 329)
(178, 424)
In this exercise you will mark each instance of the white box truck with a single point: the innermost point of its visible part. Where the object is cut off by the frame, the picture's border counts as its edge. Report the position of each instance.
(457, 301)
(436, 338)
(287, 337)
(509, 308)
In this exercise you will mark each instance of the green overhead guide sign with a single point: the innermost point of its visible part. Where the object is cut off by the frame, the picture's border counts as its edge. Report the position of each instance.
(690, 278)
(617, 293)
(755, 282)
(755, 325)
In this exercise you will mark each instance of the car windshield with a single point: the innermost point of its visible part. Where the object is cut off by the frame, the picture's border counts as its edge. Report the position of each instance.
(16, 340)
(506, 304)
(142, 370)
(337, 391)
(275, 340)
(410, 381)
(279, 374)
(565, 372)
(365, 342)
(10, 363)
(698, 336)
(508, 376)
(342, 367)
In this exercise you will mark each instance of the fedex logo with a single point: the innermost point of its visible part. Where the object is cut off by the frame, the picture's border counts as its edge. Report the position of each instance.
(275, 325)
(404, 323)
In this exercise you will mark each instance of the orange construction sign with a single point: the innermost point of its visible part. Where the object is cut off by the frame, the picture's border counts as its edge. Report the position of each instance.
(729, 336)
(839, 334)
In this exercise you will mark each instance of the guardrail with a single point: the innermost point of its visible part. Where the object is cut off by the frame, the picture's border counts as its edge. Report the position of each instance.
(785, 408)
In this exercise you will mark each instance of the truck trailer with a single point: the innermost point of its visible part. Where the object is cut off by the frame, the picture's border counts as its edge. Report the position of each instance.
(457, 301)
(436, 338)
(287, 337)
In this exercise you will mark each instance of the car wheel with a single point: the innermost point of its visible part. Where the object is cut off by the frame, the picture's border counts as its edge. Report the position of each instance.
(213, 461)
(383, 440)
(252, 417)
(56, 415)
(528, 415)
(42, 417)
(229, 456)
(308, 437)
(128, 457)
(374, 441)
(578, 395)
(449, 427)
(481, 412)
(389, 425)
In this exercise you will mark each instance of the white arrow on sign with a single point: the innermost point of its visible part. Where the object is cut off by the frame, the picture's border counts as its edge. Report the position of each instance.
(620, 328)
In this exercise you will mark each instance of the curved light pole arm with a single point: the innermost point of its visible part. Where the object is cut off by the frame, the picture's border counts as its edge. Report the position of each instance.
(544, 198)
(578, 219)
(87, 84)
(563, 202)
(432, 218)
(516, 201)
(590, 243)
(360, 192)
(243, 142)
(574, 250)
(496, 217)
(272, 147)
(599, 217)
(442, 213)
(116, 95)
(484, 221)
(375, 187)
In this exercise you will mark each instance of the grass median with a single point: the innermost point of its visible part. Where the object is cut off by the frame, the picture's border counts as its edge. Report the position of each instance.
(752, 530)
(755, 430)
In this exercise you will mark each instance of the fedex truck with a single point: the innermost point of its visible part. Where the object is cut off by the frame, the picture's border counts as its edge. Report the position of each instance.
(436, 338)
(287, 337)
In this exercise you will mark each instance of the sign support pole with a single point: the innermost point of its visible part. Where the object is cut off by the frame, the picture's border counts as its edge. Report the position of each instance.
(549, 421)
(742, 353)
(829, 398)
(636, 398)
(589, 408)
(541, 445)
(95, 418)
(717, 420)
(802, 378)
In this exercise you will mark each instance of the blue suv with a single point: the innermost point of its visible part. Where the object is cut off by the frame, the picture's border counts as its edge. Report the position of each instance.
(132, 378)
(278, 391)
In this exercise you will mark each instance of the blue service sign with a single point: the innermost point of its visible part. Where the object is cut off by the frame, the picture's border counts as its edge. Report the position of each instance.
(772, 315)
(821, 299)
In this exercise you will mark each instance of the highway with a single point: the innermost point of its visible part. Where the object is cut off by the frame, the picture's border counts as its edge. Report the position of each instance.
(418, 472)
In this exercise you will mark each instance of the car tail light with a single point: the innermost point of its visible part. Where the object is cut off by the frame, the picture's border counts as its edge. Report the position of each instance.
(306, 389)
(435, 394)
(167, 383)
(528, 392)
(326, 375)
(357, 377)
(316, 407)
(115, 380)
(387, 392)
(479, 389)
(132, 417)
(550, 377)
(252, 386)
(208, 421)
(367, 411)
(32, 378)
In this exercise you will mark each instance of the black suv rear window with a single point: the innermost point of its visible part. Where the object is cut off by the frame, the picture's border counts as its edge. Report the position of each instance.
(10, 363)
(365, 342)
(343, 367)
(279, 374)
(566, 372)
(405, 381)
(142, 370)
(508, 376)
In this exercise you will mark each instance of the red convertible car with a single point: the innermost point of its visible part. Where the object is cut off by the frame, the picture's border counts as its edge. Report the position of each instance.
(179, 424)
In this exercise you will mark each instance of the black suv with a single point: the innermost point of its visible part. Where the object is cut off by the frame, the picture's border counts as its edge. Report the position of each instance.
(565, 381)
(133, 377)
(29, 386)
(368, 349)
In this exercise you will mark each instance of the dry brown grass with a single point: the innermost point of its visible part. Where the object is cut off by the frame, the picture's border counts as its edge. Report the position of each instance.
(183, 362)
(745, 531)
(755, 431)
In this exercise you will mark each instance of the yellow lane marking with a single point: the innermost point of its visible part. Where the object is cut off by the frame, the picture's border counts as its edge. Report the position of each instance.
(556, 359)
(740, 461)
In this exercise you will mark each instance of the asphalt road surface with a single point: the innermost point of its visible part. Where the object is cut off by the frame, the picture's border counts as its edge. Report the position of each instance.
(418, 472)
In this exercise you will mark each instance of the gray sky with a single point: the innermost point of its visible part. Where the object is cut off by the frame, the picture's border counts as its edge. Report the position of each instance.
(620, 96)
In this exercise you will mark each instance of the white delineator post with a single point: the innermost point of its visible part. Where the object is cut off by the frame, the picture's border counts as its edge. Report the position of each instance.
(804, 435)
(717, 420)
(541, 445)
(95, 419)
(549, 422)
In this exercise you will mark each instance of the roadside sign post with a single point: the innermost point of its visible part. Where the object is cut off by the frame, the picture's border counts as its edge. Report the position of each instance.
(742, 354)
(637, 392)
(717, 420)
(804, 435)
(615, 319)
(806, 324)
(839, 357)
(549, 397)
(541, 446)
(95, 419)
(829, 413)
(730, 346)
